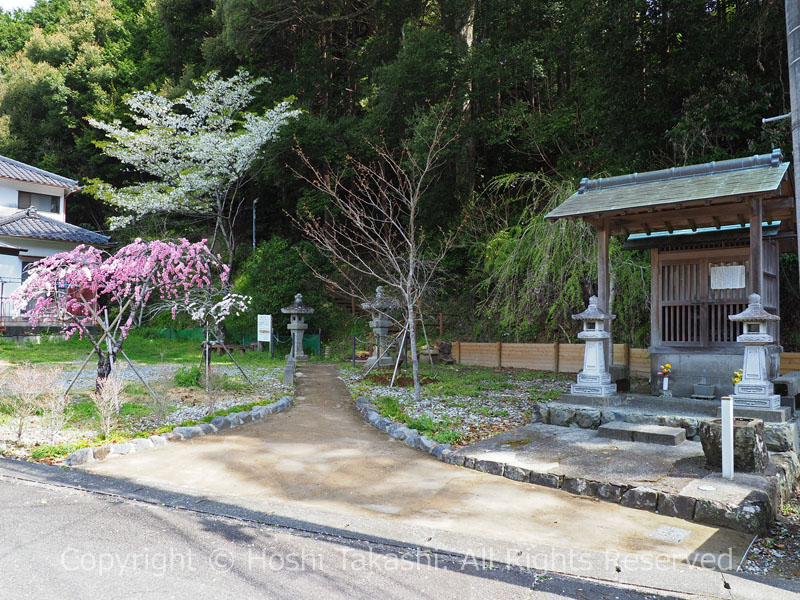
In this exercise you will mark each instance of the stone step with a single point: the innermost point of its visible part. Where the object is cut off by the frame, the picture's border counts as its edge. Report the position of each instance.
(638, 432)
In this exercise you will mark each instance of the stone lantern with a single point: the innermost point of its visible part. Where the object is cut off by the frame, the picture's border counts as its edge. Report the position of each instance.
(380, 307)
(594, 379)
(297, 312)
(755, 390)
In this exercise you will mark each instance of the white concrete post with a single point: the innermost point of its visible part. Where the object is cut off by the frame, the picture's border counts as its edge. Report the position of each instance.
(727, 437)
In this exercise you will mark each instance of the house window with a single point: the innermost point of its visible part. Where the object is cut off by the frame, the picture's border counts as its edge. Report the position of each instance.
(42, 202)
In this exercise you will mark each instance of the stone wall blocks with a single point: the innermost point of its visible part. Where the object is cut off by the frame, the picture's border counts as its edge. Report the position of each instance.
(641, 498)
(102, 452)
(454, 459)
(550, 480)
(579, 486)
(675, 505)
(489, 466)
(80, 457)
(122, 449)
(142, 443)
(221, 423)
(517, 473)
(610, 492)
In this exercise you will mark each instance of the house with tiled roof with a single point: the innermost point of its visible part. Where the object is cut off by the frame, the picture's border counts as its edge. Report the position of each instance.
(33, 224)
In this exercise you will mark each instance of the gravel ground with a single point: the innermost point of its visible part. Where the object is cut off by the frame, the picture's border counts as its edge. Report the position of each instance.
(476, 417)
(777, 554)
(185, 404)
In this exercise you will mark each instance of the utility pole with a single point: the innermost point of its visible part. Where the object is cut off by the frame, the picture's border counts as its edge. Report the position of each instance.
(793, 54)
(255, 201)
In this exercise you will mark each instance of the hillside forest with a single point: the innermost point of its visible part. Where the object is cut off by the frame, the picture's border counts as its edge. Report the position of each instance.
(537, 95)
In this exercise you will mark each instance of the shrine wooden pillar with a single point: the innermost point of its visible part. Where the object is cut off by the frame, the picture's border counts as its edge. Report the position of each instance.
(603, 283)
(756, 248)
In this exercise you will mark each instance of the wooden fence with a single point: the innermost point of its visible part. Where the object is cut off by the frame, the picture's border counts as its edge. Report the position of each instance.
(565, 358)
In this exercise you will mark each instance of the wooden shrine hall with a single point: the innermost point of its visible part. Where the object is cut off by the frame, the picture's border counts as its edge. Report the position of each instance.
(714, 232)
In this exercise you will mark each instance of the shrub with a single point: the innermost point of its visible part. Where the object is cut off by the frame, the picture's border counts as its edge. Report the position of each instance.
(188, 377)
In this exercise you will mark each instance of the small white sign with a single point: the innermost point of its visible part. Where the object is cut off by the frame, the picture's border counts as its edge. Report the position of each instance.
(264, 328)
(728, 278)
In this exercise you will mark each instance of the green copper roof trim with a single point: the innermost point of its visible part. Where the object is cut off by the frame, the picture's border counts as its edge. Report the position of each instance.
(639, 236)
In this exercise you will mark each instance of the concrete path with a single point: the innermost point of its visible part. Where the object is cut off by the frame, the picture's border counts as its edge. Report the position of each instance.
(320, 464)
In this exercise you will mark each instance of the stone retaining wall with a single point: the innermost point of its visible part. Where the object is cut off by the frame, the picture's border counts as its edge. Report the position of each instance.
(86, 456)
(780, 437)
(752, 515)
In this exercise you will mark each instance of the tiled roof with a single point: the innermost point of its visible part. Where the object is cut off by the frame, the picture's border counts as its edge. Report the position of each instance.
(739, 177)
(18, 171)
(30, 224)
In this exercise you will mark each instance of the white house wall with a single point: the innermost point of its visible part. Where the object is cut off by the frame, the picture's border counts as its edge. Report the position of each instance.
(10, 274)
(9, 195)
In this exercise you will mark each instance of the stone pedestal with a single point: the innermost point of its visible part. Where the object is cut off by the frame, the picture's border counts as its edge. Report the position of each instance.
(297, 326)
(380, 308)
(595, 378)
(749, 446)
(755, 390)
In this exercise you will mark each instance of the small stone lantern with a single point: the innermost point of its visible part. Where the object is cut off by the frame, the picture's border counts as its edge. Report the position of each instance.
(755, 390)
(297, 325)
(380, 307)
(594, 379)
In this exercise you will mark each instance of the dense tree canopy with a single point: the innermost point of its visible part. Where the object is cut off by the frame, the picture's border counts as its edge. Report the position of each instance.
(557, 90)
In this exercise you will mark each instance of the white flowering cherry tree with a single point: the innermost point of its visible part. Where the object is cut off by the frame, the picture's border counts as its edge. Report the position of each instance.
(197, 152)
(102, 296)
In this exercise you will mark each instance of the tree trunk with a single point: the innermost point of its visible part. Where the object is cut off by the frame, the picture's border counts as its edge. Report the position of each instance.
(412, 335)
(105, 362)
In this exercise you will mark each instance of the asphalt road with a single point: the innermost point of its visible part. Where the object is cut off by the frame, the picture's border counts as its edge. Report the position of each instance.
(60, 542)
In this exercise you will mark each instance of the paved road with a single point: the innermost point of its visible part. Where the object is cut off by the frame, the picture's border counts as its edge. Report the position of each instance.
(59, 543)
(320, 468)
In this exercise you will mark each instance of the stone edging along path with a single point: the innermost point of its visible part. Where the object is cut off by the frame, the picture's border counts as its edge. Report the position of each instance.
(751, 515)
(97, 453)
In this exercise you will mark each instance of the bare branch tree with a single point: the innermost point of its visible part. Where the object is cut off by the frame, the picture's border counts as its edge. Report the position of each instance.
(371, 227)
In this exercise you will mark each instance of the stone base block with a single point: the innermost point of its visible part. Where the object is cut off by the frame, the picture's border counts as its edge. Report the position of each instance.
(787, 384)
(782, 414)
(648, 434)
(771, 402)
(584, 389)
(386, 361)
(588, 378)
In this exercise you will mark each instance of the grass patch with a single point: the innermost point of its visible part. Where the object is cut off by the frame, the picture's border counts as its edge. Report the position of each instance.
(187, 377)
(147, 350)
(134, 410)
(57, 451)
(83, 411)
(442, 431)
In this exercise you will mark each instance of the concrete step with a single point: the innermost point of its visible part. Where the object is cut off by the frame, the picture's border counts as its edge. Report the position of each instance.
(637, 432)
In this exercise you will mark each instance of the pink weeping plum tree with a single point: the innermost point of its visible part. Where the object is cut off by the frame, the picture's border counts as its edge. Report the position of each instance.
(102, 296)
